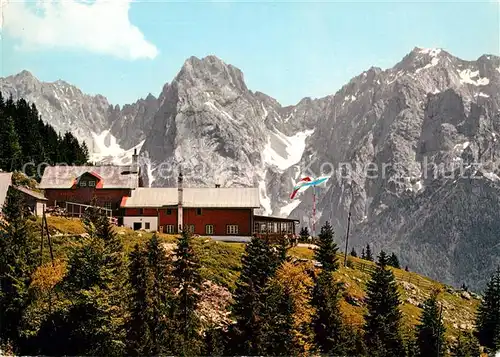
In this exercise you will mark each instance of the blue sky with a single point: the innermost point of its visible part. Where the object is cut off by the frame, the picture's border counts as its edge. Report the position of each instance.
(288, 50)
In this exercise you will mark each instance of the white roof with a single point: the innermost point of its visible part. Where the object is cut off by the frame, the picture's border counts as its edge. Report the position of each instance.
(5, 182)
(204, 197)
(112, 176)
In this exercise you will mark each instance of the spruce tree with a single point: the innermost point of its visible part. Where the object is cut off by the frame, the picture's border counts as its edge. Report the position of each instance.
(466, 345)
(368, 253)
(162, 296)
(430, 331)
(188, 282)
(94, 283)
(10, 149)
(304, 234)
(488, 316)
(258, 266)
(17, 264)
(331, 335)
(383, 316)
(278, 338)
(394, 261)
(137, 326)
(353, 253)
(326, 253)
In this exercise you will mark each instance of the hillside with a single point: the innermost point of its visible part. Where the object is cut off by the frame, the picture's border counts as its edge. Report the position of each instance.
(221, 263)
(414, 140)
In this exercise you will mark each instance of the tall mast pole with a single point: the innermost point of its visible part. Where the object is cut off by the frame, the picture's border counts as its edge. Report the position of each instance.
(314, 211)
(347, 237)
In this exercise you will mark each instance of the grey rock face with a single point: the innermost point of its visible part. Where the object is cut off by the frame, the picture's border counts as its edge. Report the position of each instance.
(400, 144)
(66, 108)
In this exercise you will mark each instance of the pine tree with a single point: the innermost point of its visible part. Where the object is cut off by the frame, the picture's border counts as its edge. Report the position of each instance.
(430, 331)
(10, 149)
(17, 264)
(394, 261)
(188, 282)
(258, 266)
(94, 283)
(331, 335)
(488, 316)
(326, 253)
(368, 253)
(304, 234)
(138, 333)
(383, 317)
(466, 345)
(353, 253)
(278, 338)
(162, 296)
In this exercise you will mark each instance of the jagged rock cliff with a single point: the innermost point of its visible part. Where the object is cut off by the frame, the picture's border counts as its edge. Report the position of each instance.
(390, 139)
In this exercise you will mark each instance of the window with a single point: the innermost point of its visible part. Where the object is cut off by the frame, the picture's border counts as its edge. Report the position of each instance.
(147, 225)
(232, 229)
(168, 211)
(91, 183)
(198, 211)
(169, 229)
(191, 228)
(209, 229)
(256, 227)
(108, 205)
(83, 183)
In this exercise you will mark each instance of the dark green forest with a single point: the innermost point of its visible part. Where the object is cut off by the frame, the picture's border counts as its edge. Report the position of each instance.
(26, 141)
(106, 302)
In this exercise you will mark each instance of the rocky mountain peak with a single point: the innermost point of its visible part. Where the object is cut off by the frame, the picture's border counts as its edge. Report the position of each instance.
(210, 71)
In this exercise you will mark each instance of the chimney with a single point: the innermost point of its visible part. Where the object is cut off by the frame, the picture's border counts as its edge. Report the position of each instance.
(180, 219)
(135, 167)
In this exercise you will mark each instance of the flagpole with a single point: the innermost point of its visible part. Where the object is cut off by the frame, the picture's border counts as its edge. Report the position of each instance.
(314, 211)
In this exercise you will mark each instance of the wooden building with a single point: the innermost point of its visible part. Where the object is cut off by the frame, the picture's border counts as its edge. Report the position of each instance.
(34, 201)
(212, 211)
(104, 186)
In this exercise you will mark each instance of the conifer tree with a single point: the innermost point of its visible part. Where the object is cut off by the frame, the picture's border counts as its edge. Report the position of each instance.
(488, 316)
(278, 338)
(17, 264)
(430, 331)
(138, 333)
(258, 266)
(383, 317)
(466, 345)
(10, 150)
(331, 335)
(394, 261)
(368, 253)
(93, 283)
(304, 234)
(353, 253)
(326, 253)
(363, 254)
(188, 282)
(162, 295)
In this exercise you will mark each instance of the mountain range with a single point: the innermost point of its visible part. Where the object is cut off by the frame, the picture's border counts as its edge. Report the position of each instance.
(412, 150)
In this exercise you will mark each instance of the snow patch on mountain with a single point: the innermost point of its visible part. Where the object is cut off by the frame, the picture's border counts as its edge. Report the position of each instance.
(265, 200)
(433, 52)
(287, 209)
(107, 149)
(284, 151)
(466, 77)
(433, 63)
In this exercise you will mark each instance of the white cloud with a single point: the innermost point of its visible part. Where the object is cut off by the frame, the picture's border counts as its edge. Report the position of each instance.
(102, 27)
